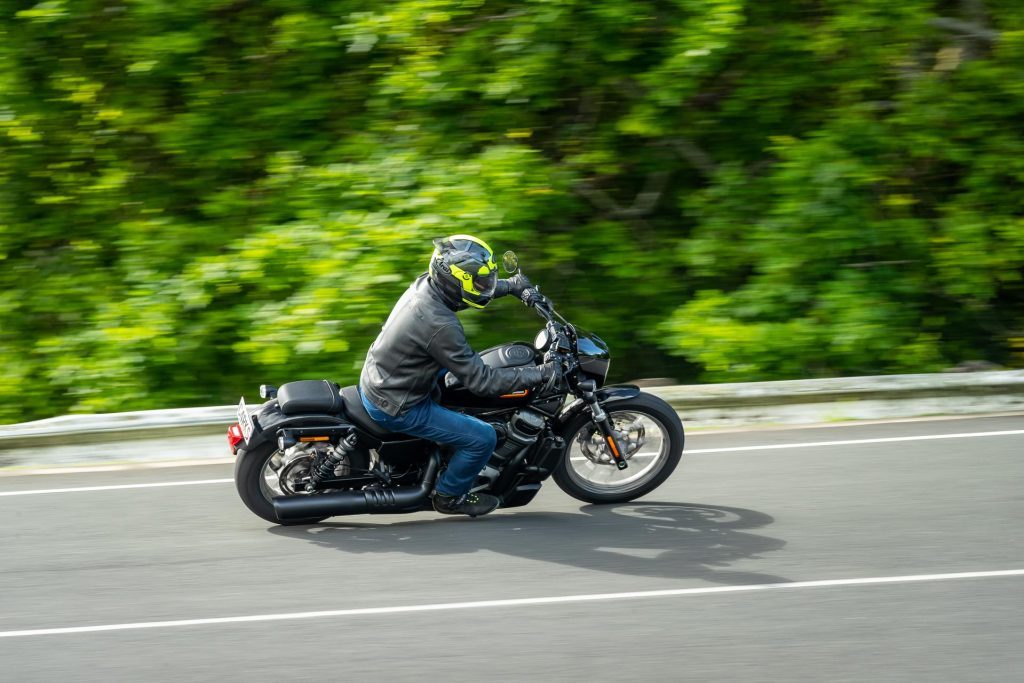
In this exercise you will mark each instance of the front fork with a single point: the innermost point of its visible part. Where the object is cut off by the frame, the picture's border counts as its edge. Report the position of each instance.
(589, 390)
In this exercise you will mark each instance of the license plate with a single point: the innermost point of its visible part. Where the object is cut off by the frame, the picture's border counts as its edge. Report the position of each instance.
(245, 420)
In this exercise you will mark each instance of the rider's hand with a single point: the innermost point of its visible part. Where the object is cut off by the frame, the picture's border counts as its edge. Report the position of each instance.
(450, 380)
(551, 372)
(552, 376)
(531, 297)
(551, 368)
(517, 284)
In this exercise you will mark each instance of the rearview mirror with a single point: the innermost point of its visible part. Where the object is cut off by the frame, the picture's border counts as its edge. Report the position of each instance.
(510, 262)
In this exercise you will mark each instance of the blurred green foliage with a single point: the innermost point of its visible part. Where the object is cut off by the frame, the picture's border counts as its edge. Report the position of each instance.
(196, 196)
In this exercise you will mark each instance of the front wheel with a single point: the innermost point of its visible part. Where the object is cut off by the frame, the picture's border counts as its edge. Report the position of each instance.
(651, 436)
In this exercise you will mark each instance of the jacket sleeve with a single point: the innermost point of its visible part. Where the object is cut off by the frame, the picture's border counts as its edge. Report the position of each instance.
(449, 347)
(501, 288)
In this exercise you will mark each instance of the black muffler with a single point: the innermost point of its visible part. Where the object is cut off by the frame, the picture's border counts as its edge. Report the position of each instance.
(368, 501)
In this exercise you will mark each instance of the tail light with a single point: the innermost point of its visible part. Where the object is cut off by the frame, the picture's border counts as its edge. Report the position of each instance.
(235, 437)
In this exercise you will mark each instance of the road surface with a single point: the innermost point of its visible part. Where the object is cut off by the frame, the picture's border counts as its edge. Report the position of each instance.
(750, 564)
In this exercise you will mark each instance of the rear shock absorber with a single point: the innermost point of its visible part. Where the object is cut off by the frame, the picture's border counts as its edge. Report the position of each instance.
(325, 468)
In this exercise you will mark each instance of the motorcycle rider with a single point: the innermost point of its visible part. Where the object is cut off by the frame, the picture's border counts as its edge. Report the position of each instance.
(422, 339)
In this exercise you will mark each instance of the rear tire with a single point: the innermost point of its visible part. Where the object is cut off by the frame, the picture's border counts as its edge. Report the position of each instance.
(645, 476)
(249, 469)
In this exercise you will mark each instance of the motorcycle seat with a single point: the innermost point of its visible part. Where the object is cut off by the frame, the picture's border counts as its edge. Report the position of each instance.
(357, 414)
(309, 396)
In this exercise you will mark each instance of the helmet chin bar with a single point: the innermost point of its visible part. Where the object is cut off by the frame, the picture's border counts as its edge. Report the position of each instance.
(483, 302)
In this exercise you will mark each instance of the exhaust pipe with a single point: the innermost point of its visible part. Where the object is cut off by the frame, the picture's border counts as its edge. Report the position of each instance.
(370, 501)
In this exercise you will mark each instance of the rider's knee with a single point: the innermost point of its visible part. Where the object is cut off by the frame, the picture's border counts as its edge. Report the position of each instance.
(488, 438)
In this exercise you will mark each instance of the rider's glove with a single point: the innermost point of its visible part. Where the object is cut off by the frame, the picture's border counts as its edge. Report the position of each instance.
(552, 367)
(517, 283)
(531, 297)
(551, 374)
(450, 380)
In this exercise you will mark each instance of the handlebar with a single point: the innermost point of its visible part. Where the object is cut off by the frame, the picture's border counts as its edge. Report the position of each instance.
(559, 330)
(542, 305)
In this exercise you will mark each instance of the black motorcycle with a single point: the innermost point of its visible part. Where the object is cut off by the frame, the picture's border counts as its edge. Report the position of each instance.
(311, 451)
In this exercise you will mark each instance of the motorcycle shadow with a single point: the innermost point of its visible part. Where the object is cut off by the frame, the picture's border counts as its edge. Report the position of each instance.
(665, 540)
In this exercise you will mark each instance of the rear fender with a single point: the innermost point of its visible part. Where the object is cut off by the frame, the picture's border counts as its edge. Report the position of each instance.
(269, 432)
(606, 395)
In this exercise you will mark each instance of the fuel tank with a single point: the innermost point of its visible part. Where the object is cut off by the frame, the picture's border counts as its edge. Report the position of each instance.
(516, 354)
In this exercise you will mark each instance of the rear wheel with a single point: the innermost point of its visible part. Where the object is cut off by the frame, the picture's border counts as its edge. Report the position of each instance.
(651, 436)
(258, 480)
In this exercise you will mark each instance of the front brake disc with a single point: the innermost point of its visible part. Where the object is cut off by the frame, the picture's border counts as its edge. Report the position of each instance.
(630, 435)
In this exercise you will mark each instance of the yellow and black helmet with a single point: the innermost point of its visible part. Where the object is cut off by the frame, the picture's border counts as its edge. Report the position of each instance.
(463, 268)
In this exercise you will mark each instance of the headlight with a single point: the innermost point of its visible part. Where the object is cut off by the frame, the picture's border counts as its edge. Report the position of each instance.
(541, 341)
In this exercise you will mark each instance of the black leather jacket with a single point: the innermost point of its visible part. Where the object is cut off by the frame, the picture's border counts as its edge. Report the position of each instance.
(421, 336)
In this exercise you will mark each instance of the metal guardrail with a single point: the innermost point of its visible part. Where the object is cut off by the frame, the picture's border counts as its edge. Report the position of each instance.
(808, 391)
(847, 398)
(199, 433)
(71, 429)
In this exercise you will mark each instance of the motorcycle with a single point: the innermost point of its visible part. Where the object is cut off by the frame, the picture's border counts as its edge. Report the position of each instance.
(311, 451)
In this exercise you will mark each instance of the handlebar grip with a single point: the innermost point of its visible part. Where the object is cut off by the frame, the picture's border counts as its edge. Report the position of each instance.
(533, 298)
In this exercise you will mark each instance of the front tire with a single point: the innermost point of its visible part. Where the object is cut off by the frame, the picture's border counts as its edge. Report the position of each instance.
(252, 487)
(586, 471)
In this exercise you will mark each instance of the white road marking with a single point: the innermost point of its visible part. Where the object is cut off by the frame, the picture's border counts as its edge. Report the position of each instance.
(840, 424)
(519, 602)
(850, 442)
(17, 471)
(690, 451)
(117, 487)
(845, 442)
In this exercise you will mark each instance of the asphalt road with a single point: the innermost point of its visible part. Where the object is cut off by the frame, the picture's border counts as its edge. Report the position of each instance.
(727, 519)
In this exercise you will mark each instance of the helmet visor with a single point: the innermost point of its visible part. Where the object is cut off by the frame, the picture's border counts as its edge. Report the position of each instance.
(485, 284)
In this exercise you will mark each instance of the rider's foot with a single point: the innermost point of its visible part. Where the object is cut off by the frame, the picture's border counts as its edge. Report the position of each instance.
(472, 504)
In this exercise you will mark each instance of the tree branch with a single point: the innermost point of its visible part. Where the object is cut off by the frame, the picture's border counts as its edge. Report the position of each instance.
(697, 157)
(873, 264)
(599, 198)
(643, 204)
(511, 14)
(966, 28)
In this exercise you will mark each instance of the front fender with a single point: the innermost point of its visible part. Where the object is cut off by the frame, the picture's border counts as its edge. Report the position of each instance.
(606, 395)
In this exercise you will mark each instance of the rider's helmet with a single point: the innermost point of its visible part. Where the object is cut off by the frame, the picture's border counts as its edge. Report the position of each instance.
(463, 268)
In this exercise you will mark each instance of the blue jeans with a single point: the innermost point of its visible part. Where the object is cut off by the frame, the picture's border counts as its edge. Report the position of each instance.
(474, 439)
